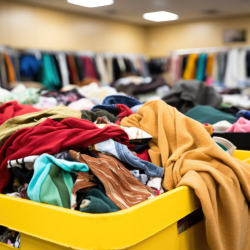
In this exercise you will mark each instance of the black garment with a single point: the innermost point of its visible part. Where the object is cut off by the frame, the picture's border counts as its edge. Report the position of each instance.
(248, 63)
(185, 95)
(184, 64)
(58, 70)
(240, 140)
(79, 68)
(96, 68)
(128, 65)
(23, 175)
(233, 110)
(116, 69)
(156, 66)
(93, 115)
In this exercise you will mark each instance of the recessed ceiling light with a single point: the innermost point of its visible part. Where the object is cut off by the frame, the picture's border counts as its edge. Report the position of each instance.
(91, 3)
(160, 16)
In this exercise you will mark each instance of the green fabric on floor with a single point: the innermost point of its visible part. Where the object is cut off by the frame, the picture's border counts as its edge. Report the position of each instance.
(208, 114)
(99, 203)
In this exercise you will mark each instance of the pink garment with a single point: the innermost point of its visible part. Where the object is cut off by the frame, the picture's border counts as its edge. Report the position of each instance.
(242, 125)
(82, 104)
(175, 68)
(209, 81)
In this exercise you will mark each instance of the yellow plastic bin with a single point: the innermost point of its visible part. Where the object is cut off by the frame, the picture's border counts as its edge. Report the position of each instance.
(150, 225)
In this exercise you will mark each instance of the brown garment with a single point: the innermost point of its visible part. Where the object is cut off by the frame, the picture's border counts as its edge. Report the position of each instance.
(84, 183)
(74, 78)
(3, 72)
(10, 68)
(120, 185)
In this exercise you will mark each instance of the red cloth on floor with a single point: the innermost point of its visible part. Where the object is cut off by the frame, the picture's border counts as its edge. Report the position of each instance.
(52, 137)
(124, 111)
(144, 155)
(11, 109)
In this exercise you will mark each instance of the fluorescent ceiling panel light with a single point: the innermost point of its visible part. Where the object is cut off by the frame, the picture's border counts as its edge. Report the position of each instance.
(91, 3)
(160, 16)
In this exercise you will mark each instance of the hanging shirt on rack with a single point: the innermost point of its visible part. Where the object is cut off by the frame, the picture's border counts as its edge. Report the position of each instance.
(201, 67)
(102, 69)
(248, 63)
(190, 70)
(48, 75)
(10, 68)
(89, 67)
(242, 74)
(222, 61)
(63, 68)
(3, 72)
(231, 75)
(74, 79)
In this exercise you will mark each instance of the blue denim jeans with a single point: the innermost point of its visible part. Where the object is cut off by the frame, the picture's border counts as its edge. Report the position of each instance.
(122, 153)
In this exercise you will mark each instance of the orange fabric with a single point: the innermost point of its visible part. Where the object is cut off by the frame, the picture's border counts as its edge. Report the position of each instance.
(209, 67)
(191, 158)
(10, 68)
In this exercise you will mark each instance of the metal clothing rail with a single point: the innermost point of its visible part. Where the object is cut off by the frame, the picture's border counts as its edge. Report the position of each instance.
(207, 50)
(199, 50)
(38, 52)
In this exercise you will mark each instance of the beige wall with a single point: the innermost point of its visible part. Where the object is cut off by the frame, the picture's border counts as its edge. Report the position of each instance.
(196, 34)
(25, 26)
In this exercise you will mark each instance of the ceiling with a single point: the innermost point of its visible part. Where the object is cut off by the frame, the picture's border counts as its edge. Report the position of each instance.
(132, 10)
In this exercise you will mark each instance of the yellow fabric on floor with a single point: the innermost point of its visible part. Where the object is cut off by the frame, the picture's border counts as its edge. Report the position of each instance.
(33, 119)
(191, 158)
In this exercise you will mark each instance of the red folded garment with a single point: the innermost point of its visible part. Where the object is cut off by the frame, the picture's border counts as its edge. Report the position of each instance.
(144, 155)
(124, 111)
(52, 137)
(12, 109)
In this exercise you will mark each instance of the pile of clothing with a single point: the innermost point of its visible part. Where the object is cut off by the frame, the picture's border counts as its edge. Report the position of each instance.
(120, 153)
(143, 88)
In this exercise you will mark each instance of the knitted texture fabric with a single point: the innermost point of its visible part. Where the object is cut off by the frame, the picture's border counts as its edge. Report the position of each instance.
(191, 158)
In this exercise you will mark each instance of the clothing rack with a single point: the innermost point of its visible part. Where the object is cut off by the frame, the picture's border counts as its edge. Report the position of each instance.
(228, 65)
(69, 66)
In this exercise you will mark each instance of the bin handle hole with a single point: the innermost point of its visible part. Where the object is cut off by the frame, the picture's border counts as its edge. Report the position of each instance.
(190, 220)
(9, 237)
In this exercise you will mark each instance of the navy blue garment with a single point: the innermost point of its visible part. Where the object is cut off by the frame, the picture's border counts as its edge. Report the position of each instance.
(243, 113)
(109, 103)
(121, 99)
(29, 66)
